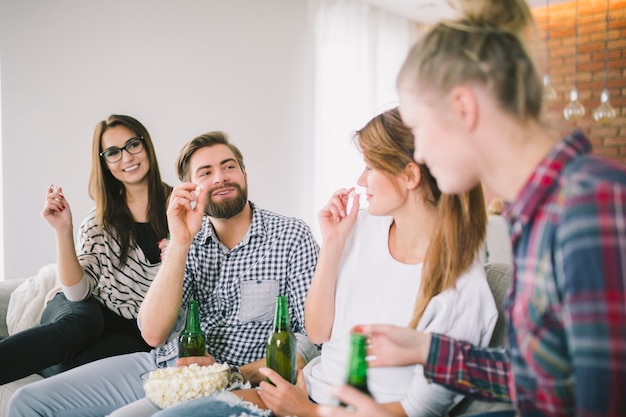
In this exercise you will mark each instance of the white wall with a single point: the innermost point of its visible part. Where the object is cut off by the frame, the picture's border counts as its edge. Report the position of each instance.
(181, 67)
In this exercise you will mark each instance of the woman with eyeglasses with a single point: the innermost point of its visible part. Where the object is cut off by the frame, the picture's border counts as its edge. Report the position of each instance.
(106, 275)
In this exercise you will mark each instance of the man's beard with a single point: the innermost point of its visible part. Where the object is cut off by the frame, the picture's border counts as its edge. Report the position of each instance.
(227, 208)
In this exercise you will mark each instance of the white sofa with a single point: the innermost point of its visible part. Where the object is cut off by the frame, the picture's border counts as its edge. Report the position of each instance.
(7, 390)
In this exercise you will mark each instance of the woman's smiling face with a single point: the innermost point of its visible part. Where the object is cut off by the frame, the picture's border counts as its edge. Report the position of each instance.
(132, 168)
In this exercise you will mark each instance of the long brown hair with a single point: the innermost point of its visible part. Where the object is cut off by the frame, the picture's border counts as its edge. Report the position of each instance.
(388, 145)
(109, 194)
(486, 47)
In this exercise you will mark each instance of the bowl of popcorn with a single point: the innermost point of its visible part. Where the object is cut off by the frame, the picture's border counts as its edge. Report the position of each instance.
(166, 387)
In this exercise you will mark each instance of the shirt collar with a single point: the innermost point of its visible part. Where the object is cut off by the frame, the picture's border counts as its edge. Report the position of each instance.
(541, 183)
(257, 228)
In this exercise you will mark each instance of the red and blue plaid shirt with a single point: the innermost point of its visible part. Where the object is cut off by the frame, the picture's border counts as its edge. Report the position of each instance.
(566, 337)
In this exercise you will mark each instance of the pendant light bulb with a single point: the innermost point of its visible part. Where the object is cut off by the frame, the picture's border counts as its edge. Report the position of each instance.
(604, 113)
(549, 94)
(574, 109)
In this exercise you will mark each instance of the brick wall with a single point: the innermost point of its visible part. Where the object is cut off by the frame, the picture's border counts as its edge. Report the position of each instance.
(610, 140)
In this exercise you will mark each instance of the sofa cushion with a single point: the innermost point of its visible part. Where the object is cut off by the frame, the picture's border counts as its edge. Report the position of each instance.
(7, 390)
(6, 288)
(29, 300)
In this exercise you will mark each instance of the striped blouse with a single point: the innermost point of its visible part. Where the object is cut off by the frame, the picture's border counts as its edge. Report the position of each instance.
(121, 288)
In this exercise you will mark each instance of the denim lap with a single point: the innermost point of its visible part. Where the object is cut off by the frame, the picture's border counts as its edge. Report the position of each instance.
(214, 407)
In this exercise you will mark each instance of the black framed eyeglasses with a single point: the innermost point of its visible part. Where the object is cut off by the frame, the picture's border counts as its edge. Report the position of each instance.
(114, 154)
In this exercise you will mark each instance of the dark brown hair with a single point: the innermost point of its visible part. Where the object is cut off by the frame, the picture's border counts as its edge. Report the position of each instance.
(388, 146)
(203, 141)
(109, 194)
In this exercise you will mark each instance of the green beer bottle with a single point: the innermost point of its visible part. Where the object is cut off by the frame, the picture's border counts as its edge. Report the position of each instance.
(192, 341)
(357, 365)
(281, 343)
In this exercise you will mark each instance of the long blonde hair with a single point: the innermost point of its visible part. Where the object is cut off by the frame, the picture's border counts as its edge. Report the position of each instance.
(486, 46)
(460, 229)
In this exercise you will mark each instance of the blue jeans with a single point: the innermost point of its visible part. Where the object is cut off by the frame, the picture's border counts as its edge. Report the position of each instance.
(92, 390)
(70, 334)
(213, 407)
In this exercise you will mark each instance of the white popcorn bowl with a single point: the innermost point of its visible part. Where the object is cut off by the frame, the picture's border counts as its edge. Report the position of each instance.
(169, 386)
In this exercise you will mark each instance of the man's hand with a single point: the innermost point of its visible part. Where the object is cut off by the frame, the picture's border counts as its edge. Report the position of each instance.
(185, 212)
(205, 360)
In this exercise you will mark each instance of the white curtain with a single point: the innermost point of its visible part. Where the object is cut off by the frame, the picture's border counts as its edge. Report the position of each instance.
(358, 52)
(2, 271)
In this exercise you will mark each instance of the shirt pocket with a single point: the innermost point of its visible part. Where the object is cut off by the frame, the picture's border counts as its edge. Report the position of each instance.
(258, 300)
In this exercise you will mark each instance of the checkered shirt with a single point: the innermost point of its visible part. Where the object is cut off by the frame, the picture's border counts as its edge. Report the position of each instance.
(236, 289)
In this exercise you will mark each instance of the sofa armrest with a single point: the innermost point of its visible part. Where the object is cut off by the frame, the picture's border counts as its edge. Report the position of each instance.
(6, 288)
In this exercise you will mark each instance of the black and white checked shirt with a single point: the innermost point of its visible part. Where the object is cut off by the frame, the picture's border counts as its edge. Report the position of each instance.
(236, 289)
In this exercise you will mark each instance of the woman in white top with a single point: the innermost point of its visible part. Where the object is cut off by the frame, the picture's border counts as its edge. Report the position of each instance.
(409, 260)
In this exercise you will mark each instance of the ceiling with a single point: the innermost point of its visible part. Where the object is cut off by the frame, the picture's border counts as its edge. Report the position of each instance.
(429, 11)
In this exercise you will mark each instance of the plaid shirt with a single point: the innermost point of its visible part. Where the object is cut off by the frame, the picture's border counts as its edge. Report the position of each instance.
(567, 309)
(236, 289)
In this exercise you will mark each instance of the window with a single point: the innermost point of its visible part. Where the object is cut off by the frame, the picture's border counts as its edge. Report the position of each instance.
(358, 52)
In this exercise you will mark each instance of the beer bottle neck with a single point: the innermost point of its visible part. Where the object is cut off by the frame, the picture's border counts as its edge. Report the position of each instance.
(192, 324)
(281, 315)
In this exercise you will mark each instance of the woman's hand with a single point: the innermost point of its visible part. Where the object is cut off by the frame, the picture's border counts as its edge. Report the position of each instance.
(335, 221)
(283, 398)
(56, 210)
(361, 405)
(390, 345)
